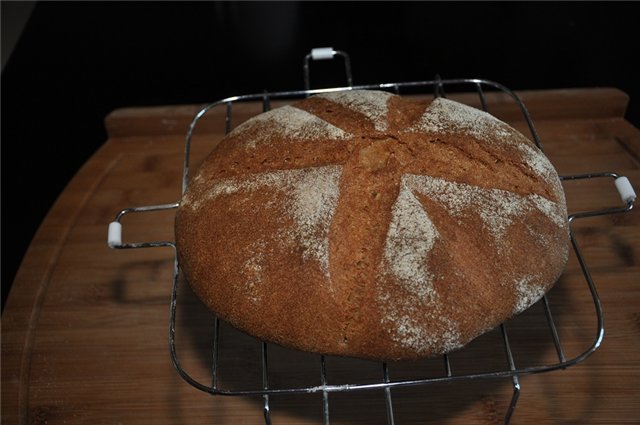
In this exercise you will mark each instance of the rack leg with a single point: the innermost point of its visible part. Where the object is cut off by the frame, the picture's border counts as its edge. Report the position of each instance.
(387, 396)
(515, 381)
(215, 355)
(266, 411)
(265, 385)
(447, 365)
(325, 394)
(514, 400)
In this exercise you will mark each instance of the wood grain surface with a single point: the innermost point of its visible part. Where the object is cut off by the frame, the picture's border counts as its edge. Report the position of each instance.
(85, 328)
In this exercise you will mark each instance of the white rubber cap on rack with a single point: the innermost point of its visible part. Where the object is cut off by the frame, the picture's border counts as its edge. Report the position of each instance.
(114, 237)
(627, 194)
(322, 53)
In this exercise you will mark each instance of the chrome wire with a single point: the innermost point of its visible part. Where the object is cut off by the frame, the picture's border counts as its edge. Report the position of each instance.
(387, 395)
(514, 379)
(148, 208)
(395, 87)
(512, 372)
(347, 68)
(437, 87)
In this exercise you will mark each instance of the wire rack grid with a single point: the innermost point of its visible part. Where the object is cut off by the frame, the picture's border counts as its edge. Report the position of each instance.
(437, 87)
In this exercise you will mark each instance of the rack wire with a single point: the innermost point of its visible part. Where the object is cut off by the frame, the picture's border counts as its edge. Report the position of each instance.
(438, 87)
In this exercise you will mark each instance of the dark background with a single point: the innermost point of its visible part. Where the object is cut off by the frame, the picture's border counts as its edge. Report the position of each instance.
(75, 62)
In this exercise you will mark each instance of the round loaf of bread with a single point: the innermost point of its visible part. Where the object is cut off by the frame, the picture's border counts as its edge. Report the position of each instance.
(365, 224)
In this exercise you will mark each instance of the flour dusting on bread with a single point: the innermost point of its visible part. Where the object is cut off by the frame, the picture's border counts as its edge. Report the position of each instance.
(410, 237)
(404, 320)
(254, 270)
(497, 208)
(446, 115)
(372, 104)
(291, 123)
(312, 196)
(528, 292)
(410, 333)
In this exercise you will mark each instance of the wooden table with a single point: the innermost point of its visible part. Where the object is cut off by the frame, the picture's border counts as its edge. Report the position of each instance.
(85, 329)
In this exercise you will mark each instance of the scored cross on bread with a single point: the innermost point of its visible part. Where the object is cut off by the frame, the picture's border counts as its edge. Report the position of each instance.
(364, 224)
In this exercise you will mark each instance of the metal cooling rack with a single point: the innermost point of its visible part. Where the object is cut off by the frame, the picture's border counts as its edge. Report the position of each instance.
(438, 88)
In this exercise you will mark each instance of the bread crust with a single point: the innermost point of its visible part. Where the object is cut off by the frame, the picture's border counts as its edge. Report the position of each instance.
(369, 225)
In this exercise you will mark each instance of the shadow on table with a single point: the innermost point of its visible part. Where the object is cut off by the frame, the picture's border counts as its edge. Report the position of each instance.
(240, 366)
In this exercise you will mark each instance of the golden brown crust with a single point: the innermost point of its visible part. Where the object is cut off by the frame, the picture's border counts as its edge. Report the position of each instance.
(364, 224)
